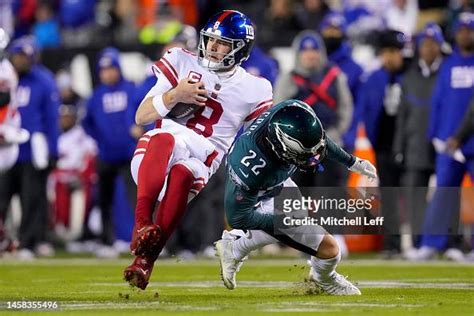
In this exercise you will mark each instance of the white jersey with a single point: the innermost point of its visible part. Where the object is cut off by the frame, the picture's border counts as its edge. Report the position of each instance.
(8, 82)
(232, 101)
(11, 132)
(75, 147)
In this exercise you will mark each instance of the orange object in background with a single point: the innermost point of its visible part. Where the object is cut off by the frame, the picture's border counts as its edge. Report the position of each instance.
(362, 243)
(467, 201)
(146, 12)
(368, 243)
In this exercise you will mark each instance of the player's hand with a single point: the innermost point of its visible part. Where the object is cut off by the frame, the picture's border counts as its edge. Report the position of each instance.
(364, 167)
(188, 92)
(452, 144)
(136, 131)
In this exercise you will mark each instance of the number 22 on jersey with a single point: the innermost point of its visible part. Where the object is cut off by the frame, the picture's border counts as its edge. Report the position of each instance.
(257, 164)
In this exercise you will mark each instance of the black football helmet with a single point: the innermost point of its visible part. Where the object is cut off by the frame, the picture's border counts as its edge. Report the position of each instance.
(296, 135)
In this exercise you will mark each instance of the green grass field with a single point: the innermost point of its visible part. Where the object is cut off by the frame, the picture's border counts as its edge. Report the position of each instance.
(267, 286)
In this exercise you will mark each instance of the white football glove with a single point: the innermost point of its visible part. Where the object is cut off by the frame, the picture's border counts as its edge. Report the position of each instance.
(364, 167)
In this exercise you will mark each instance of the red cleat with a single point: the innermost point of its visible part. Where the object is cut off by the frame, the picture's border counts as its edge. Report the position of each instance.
(145, 241)
(139, 272)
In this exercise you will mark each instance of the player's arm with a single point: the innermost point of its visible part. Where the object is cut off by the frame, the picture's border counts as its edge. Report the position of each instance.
(158, 102)
(465, 130)
(353, 163)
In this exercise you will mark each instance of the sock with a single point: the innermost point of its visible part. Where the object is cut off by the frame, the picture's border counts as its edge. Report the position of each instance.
(324, 268)
(152, 175)
(173, 204)
(244, 245)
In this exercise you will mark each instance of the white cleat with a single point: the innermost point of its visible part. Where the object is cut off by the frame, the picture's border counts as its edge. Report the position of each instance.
(335, 284)
(422, 254)
(454, 254)
(229, 265)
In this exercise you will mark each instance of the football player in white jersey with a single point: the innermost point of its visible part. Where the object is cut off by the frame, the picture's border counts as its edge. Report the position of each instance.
(199, 104)
(11, 134)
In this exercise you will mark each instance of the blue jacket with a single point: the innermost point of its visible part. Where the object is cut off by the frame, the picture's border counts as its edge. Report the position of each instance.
(370, 101)
(452, 93)
(262, 65)
(353, 71)
(38, 103)
(109, 117)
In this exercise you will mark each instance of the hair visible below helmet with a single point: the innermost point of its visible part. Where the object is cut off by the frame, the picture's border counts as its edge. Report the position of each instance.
(232, 27)
(296, 135)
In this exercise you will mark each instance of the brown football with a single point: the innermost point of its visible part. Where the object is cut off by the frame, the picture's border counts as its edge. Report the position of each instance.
(181, 110)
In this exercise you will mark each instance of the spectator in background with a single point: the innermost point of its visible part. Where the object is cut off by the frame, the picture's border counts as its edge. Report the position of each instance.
(311, 12)
(262, 65)
(78, 23)
(38, 103)
(323, 86)
(412, 149)
(451, 97)
(402, 15)
(109, 120)
(46, 28)
(456, 7)
(75, 14)
(66, 92)
(24, 12)
(333, 32)
(279, 25)
(75, 171)
(378, 103)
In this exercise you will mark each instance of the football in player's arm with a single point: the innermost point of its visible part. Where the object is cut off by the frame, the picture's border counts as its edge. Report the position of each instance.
(286, 137)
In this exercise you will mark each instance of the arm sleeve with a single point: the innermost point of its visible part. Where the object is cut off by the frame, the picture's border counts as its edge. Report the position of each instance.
(263, 104)
(345, 104)
(467, 126)
(166, 73)
(399, 137)
(336, 153)
(436, 103)
(88, 120)
(51, 120)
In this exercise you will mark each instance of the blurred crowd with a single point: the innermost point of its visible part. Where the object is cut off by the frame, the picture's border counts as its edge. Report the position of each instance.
(402, 71)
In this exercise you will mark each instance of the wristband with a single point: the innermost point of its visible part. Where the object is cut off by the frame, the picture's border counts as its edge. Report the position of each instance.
(159, 106)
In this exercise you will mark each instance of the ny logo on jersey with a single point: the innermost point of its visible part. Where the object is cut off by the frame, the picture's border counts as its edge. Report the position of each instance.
(114, 102)
(194, 76)
(23, 94)
(462, 77)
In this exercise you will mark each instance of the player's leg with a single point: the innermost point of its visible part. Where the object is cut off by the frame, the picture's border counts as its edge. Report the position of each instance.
(173, 205)
(241, 209)
(181, 181)
(149, 166)
(439, 213)
(106, 186)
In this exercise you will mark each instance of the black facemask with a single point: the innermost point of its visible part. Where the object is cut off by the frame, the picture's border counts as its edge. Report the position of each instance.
(4, 98)
(332, 44)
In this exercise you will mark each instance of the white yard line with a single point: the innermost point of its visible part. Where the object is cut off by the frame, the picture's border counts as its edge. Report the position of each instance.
(384, 284)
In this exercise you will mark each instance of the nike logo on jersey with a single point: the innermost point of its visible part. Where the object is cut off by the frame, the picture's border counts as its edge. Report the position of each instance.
(246, 175)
